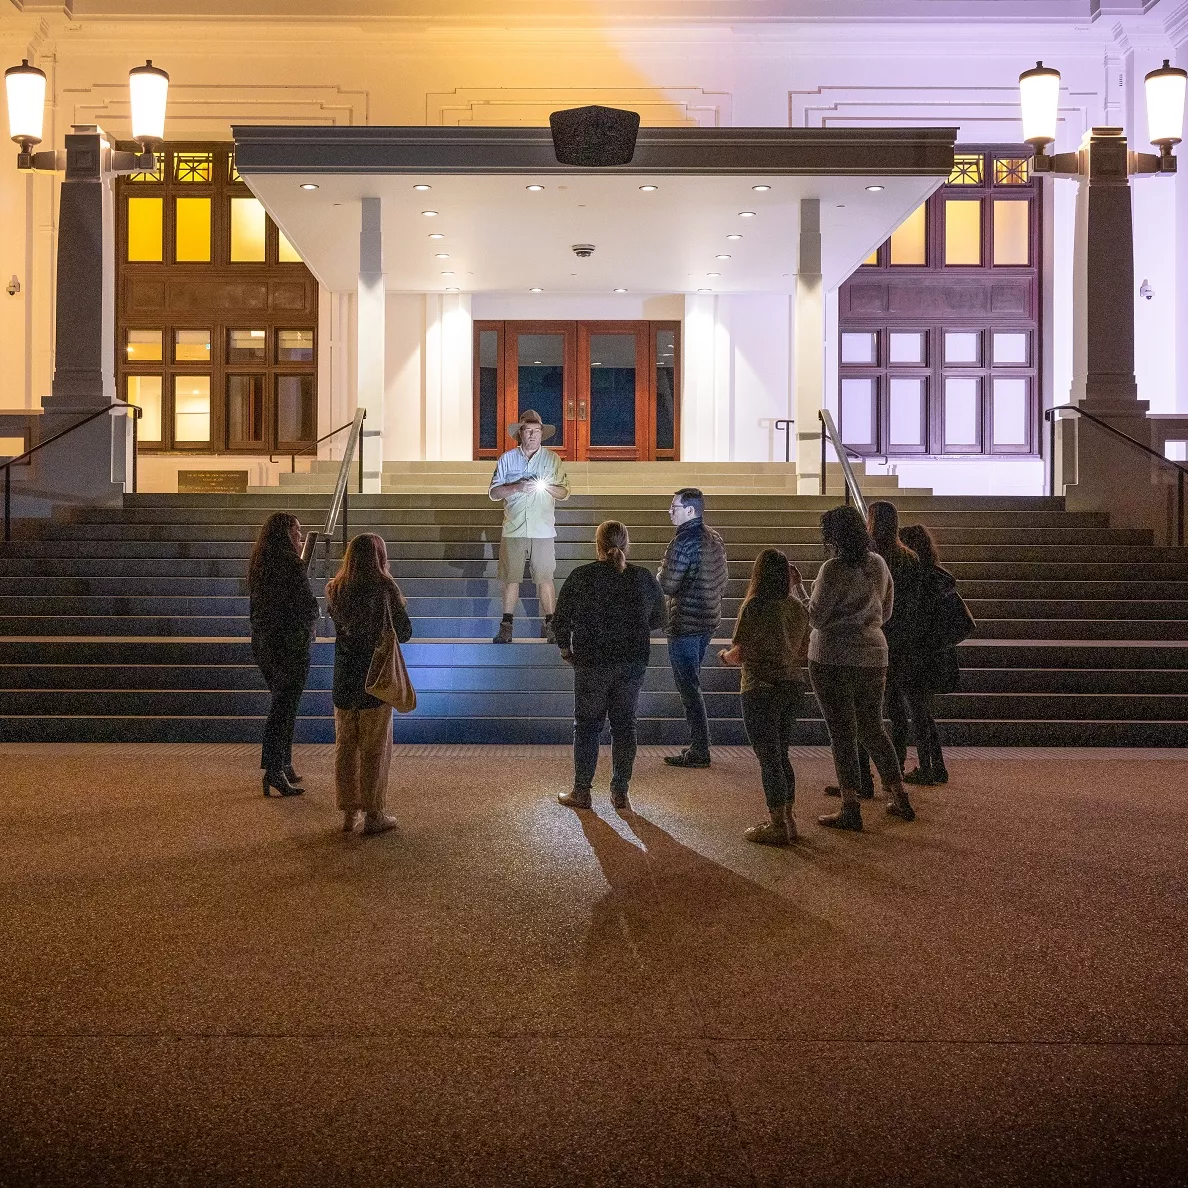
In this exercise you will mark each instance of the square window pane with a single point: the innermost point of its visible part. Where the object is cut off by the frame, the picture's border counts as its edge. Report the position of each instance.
(1012, 224)
(907, 346)
(963, 413)
(286, 253)
(191, 346)
(857, 412)
(192, 230)
(1011, 347)
(191, 408)
(858, 348)
(296, 411)
(193, 168)
(963, 231)
(246, 346)
(967, 170)
(294, 346)
(872, 259)
(245, 409)
(963, 346)
(905, 415)
(909, 241)
(665, 389)
(143, 346)
(145, 220)
(247, 230)
(1010, 412)
(1012, 171)
(145, 391)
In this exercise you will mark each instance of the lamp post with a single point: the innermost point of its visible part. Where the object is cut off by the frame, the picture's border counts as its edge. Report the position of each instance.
(83, 465)
(1104, 377)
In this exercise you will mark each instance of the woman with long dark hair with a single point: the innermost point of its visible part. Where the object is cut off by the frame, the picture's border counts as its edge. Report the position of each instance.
(771, 644)
(605, 615)
(932, 666)
(360, 598)
(851, 599)
(283, 612)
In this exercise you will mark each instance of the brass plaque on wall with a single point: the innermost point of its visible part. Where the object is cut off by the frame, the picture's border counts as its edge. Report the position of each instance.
(212, 482)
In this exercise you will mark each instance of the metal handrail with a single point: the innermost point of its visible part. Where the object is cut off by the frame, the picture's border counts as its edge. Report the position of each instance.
(313, 448)
(137, 413)
(338, 504)
(1181, 471)
(786, 425)
(828, 428)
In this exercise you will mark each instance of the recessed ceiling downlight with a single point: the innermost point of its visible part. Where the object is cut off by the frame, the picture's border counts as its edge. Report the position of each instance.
(422, 187)
(722, 256)
(429, 214)
(761, 189)
(439, 235)
(746, 214)
(874, 189)
(536, 289)
(620, 290)
(309, 185)
(734, 236)
(649, 189)
(534, 189)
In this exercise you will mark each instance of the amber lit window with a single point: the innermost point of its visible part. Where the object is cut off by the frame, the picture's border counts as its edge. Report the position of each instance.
(967, 170)
(938, 331)
(216, 314)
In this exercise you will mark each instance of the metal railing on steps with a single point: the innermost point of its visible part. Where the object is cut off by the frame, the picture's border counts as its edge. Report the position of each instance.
(339, 503)
(830, 434)
(313, 449)
(136, 411)
(1051, 416)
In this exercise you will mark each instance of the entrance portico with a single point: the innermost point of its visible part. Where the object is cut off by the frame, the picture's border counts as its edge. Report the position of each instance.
(733, 235)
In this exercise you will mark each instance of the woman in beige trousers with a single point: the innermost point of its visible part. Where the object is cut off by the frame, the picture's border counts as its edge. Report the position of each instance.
(359, 599)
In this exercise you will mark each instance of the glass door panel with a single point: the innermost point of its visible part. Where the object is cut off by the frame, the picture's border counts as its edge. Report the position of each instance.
(540, 382)
(665, 400)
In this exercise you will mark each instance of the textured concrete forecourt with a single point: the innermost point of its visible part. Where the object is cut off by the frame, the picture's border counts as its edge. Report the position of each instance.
(202, 986)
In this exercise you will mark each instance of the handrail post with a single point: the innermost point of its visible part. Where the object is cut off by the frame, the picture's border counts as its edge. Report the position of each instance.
(1179, 509)
(362, 438)
(1052, 419)
(822, 483)
(8, 503)
(346, 505)
(293, 463)
(135, 450)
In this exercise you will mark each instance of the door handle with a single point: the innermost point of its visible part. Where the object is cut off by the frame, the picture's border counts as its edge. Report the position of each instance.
(581, 410)
(569, 411)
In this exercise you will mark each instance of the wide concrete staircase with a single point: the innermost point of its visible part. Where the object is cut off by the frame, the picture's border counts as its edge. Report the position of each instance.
(131, 624)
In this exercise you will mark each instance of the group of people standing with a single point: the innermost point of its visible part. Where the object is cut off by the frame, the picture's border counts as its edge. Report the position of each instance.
(877, 628)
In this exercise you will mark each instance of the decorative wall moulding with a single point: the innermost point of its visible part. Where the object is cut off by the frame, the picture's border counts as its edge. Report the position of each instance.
(518, 107)
(984, 115)
(199, 112)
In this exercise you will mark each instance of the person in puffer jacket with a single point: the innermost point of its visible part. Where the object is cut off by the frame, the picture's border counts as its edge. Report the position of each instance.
(693, 577)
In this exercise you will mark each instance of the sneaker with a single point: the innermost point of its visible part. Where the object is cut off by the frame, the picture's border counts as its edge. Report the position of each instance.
(768, 834)
(850, 817)
(547, 633)
(619, 800)
(920, 776)
(899, 806)
(579, 798)
(504, 635)
(687, 759)
(350, 818)
(863, 793)
(378, 823)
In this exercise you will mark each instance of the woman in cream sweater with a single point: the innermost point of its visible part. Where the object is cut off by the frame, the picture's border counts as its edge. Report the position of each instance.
(851, 599)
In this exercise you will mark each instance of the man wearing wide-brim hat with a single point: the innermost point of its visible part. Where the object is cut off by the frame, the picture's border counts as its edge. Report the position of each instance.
(529, 479)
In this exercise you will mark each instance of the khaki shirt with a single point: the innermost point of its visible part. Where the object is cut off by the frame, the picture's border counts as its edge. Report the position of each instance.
(529, 513)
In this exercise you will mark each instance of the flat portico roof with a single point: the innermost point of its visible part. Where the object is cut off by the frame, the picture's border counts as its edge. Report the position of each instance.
(493, 235)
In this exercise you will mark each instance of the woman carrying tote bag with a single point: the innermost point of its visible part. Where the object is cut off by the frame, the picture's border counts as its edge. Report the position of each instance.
(365, 604)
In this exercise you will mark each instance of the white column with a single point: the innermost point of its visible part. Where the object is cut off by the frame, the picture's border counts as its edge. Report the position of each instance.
(449, 377)
(371, 333)
(809, 349)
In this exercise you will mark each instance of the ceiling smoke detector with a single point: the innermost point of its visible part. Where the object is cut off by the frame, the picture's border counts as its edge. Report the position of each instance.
(583, 250)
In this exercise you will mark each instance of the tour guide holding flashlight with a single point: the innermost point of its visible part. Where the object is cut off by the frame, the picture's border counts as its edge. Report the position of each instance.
(529, 480)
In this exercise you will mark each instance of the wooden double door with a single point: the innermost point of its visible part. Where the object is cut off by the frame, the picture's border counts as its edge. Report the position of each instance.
(610, 388)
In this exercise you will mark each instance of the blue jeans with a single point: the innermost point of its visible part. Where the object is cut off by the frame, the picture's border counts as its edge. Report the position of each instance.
(599, 691)
(685, 654)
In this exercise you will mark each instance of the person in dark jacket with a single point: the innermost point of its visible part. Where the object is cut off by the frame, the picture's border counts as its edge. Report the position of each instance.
(932, 667)
(693, 577)
(605, 615)
(283, 612)
(360, 598)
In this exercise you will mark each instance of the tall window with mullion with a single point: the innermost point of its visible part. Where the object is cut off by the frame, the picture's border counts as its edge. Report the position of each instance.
(939, 327)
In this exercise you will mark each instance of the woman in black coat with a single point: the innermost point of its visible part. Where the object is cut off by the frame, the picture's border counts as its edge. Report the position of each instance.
(932, 667)
(283, 613)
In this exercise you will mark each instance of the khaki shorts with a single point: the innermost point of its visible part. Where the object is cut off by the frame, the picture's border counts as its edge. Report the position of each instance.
(515, 551)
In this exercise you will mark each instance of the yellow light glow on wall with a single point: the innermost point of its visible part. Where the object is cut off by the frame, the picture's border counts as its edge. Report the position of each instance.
(192, 232)
(247, 231)
(963, 231)
(909, 241)
(1011, 226)
(286, 252)
(145, 221)
(873, 258)
(145, 391)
